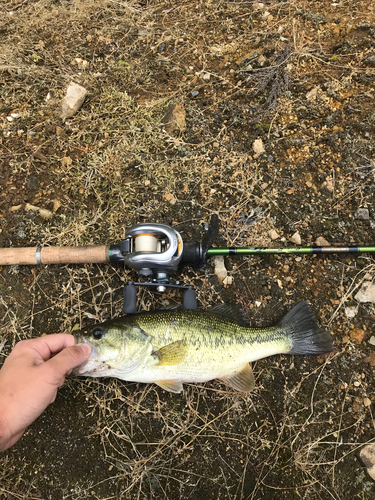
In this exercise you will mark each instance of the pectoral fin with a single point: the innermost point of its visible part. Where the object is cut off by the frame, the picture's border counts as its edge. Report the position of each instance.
(171, 354)
(170, 385)
(242, 380)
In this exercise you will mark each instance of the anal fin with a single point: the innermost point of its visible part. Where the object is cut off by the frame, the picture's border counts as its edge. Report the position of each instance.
(241, 380)
(170, 385)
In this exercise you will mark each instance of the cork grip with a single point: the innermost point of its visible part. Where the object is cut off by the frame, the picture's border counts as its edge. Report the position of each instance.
(54, 255)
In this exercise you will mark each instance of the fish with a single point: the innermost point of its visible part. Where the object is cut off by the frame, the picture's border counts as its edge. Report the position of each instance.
(173, 347)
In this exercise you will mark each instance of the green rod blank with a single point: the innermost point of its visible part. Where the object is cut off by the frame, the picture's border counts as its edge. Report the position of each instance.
(278, 251)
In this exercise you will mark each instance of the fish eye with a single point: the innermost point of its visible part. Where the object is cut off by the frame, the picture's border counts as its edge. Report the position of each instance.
(98, 333)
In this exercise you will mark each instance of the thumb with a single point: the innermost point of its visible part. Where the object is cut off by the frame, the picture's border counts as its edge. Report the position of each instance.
(69, 358)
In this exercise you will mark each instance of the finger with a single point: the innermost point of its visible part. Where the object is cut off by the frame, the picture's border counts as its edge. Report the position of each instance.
(69, 358)
(48, 345)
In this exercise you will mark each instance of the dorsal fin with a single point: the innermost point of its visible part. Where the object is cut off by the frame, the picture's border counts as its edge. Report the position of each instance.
(231, 312)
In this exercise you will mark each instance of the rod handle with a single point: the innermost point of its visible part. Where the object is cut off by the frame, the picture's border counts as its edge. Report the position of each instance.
(54, 255)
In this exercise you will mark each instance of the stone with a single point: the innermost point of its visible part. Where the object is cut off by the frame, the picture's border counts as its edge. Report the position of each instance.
(73, 100)
(362, 214)
(351, 311)
(322, 242)
(366, 293)
(273, 234)
(356, 335)
(174, 119)
(220, 269)
(296, 238)
(367, 457)
(258, 146)
(370, 61)
(46, 214)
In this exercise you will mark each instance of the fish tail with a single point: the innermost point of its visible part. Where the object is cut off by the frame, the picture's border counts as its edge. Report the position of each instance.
(304, 332)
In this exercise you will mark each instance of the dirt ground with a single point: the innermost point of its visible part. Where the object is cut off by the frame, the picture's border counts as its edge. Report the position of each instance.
(299, 76)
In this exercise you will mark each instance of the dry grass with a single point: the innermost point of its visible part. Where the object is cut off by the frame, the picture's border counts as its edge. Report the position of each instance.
(113, 164)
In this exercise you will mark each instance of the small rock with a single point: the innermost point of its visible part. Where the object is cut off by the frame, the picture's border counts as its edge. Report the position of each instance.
(206, 77)
(371, 359)
(258, 6)
(228, 281)
(33, 183)
(356, 335)
(362, 214)
(370, 61)
(169, 197)
(296, 238)
(273, 234)
(174, 119)
(322, 242)
(257, 303)
(66, 161)
(15, 208)
(366, 292)
(73, 100)
(220, 269)
(258, 146)
(367, 401)
(195, 93)
(56, 205)
(372, 340)
(31, 133)
(59, 130)
(329, 184)
(313, 93)
(46, 214)
(367, 456)
(351, 311)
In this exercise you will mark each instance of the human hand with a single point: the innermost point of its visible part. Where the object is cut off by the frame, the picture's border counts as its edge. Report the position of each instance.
(29, 380)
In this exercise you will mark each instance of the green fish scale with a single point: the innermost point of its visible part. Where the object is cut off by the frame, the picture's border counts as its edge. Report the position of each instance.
(211, 339)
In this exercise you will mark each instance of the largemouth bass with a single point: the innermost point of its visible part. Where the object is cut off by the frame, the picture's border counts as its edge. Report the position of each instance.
(177, 346)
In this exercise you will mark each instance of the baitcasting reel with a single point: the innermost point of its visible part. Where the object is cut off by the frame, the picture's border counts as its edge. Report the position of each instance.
(155, 251)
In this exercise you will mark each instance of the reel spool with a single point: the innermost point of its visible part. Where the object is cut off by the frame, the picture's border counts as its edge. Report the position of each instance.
(153, 250)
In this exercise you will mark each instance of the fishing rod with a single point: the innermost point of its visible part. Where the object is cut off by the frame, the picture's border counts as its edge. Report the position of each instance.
(156, 251)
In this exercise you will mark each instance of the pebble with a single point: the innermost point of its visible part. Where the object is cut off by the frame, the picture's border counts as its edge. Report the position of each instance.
(33, 183)
(356, 335)
(174, 119)
(372, 340)
(220, 269)
(31, 132)
(367, 456)
(362, 214)
(367, 401)
(206, 77)
(73, 100)
(366, 293)
(258, 6)
(351, 311)
(296, 238)
(258, 146)
(322, 242)
(273, 234)
(195, 93)
(46, 214)
(370, 61)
